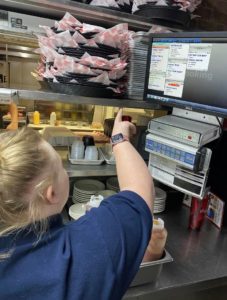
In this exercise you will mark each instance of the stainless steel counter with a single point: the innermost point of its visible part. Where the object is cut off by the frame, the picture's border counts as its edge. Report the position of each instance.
(199, 269)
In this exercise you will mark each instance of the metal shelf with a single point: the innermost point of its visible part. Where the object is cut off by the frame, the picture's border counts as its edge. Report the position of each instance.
(92, 171)
(18, 38)
(76, 99)
(85, 170)
(56, 9)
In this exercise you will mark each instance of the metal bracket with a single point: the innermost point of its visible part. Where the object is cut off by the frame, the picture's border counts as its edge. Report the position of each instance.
(8, 96)
(196, 116)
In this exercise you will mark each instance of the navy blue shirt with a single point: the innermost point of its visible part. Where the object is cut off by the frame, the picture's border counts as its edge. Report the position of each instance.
(93, 258)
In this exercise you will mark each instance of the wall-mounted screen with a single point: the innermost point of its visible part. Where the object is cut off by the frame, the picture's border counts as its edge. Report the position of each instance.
(188, 70)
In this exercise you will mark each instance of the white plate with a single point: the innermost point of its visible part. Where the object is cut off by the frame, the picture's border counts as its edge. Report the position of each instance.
(79, 194)
(81, 199)
(159, 202)
(86, 186)
(160, 194)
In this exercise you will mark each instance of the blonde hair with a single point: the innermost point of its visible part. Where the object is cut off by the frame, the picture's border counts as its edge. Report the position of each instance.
(22, 161)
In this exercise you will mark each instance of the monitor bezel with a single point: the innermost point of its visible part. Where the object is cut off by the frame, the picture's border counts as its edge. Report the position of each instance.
(210, 110)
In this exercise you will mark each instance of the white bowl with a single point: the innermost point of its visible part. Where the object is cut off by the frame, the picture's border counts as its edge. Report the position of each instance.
(77, 210)
(106, 193)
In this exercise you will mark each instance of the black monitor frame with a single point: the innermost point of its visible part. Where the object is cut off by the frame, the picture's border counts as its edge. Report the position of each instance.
(184, 104)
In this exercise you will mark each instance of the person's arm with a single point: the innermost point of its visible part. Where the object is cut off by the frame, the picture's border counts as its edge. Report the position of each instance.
(14, 117)
(132, 172)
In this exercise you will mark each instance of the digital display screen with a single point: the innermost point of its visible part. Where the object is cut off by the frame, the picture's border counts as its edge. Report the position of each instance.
(188, 71)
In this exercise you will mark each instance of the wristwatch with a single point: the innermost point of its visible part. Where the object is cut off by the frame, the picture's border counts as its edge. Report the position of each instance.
(118, 138)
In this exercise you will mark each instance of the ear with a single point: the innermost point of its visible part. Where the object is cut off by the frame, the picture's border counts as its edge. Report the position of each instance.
(51, 195)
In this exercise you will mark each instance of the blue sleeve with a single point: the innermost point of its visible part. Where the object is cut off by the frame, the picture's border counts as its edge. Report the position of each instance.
(125, 223)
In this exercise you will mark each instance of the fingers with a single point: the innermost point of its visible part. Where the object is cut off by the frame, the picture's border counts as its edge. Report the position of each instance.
(119, 116)
(132, 128)
(159, 234)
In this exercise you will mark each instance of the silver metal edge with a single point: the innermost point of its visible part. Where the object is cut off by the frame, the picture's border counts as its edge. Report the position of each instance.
(167, 258)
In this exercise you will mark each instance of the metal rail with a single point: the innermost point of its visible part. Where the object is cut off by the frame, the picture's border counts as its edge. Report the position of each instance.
(56, 9)
(76, 99)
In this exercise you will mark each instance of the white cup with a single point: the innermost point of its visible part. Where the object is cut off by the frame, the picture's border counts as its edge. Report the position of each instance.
(91, 153)
(77, 150)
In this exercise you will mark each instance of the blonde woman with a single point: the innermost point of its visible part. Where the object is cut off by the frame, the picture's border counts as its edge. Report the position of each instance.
(95, 257)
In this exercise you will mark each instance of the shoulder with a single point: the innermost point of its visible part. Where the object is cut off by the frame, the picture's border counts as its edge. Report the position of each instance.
(128, 200)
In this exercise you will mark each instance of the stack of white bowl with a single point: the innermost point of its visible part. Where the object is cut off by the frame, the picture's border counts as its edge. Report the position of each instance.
(77, 210)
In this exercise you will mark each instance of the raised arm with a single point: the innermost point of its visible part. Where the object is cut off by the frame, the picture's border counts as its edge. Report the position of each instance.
(132, 171)
(14, 117)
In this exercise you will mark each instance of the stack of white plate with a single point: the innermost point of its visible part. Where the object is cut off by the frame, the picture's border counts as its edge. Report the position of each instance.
(85, 188)
(160, 200)
(112, 184)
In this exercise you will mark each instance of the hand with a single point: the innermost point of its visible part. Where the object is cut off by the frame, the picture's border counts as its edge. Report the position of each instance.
(156, 245)
(12, 126)
(124, 127)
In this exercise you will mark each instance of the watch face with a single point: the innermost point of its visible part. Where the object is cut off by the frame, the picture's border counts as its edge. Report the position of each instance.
(117, 138)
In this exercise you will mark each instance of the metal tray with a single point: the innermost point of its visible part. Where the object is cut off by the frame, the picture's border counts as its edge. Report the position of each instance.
(86, 162)
(107, 155)
(150, 271)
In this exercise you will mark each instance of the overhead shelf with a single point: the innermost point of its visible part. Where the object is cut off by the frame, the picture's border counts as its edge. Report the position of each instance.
(95, 15)
(18, 38)
(56, 97)
(85, 171)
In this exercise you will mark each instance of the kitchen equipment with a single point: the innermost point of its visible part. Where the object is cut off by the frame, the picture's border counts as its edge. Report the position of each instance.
(178, 177)
(159, 200)
(108, 126)
(77, 150)
(88, 140)
(108, 155)
(84, 161)
(53, 118)
(139, 141)
(77, 210)
(196, 159)
(137, 65)
(180, 129)
(7, 96)
(106, 193)
(150, 271)
(83, 189)
(95, 201)
(59, 136)
(112, 184)
(91, 153)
